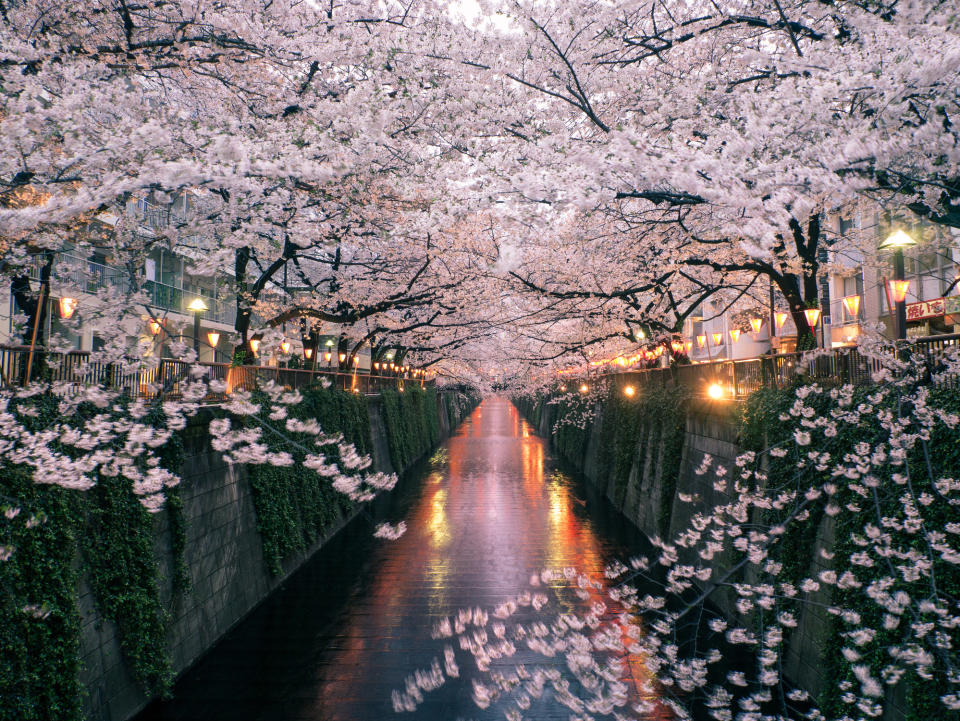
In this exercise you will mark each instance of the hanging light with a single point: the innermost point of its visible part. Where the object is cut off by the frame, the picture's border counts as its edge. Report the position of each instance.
(68, 306)
(852, 305)
(376, 365)
(717, 338)
(756, 324)
(308, 353)
(735, 334)
(255, 346)
(213, 338)
(781, 318)
(701, 341)
(689, 346)
(813, 315)
(356, 360)
(584, 388)
(285, 347)
(629, 391)
(155, 327)
(898, 290)
(327, 356)
(343, 357)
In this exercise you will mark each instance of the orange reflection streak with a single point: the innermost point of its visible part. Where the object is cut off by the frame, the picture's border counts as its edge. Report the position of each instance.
(475, 535)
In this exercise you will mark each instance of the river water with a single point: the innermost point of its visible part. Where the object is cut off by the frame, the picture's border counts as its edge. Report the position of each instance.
(490, 510)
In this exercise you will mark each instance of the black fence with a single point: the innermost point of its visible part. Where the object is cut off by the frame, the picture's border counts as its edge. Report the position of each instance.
(71, 372)
(739, 378)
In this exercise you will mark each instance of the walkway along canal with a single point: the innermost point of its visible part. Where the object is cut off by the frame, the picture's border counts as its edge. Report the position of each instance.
(347, 631)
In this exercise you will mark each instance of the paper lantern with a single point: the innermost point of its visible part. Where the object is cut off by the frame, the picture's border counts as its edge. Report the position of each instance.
(68, 306)
(813, 315)
(852, 305)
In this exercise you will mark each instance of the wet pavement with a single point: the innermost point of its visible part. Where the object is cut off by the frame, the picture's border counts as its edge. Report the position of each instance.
(349, 628)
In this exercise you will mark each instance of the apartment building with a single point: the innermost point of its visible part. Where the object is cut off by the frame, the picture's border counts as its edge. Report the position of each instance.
(855, 291)
(82, 280)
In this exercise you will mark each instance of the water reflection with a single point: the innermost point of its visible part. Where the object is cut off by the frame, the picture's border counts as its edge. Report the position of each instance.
(357, 621)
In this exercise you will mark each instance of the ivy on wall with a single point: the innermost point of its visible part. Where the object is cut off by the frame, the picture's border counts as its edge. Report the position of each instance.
(294, 506)
(762, 425)
(648, 426)
(412, 422)
(51, 537)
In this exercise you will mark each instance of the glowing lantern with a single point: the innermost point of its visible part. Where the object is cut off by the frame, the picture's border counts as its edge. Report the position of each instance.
(255, 346)
(213, 338)
(898, 290)
(629, 391)
(155, 327)
(308, 353)
(327, 356)
(852, 305)
(756, 324)
(343, 357)
(735, 334)
(688, 346)
(285, 347)
(376, 365)
(715, 391)
(584, 388)
(717, 338)
(356, 360)
(813, 315)
(68, 306)
(701, 341)
(677, 346)
(781, 318)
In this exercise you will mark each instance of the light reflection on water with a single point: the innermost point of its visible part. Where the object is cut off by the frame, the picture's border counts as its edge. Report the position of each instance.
(357, 621)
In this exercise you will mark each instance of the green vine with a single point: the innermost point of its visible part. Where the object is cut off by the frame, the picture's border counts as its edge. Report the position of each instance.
(111, 534)
(761, 427)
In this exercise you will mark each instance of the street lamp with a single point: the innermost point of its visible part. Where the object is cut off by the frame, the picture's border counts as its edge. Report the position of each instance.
(197, 306)
(897, 241)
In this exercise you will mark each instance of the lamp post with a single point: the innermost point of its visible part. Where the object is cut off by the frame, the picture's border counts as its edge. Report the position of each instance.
(897, 241)
(197, 306)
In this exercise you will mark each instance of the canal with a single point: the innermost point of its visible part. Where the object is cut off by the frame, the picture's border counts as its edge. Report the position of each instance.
(349, 630)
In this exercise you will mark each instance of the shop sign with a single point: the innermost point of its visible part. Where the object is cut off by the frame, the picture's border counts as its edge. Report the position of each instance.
(925, 309)
(952, 304)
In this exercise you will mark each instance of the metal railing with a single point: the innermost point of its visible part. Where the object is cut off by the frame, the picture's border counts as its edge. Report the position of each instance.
(739, 378)
(155, 216)
(74, 371)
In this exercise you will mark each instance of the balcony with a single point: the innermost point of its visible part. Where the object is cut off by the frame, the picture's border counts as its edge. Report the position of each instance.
(89, 277)
(174, 299)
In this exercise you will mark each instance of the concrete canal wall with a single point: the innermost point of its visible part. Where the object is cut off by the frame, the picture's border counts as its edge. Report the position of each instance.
(224, 555)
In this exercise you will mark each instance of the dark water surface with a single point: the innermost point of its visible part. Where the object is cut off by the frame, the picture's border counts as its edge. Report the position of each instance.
(331, 645)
